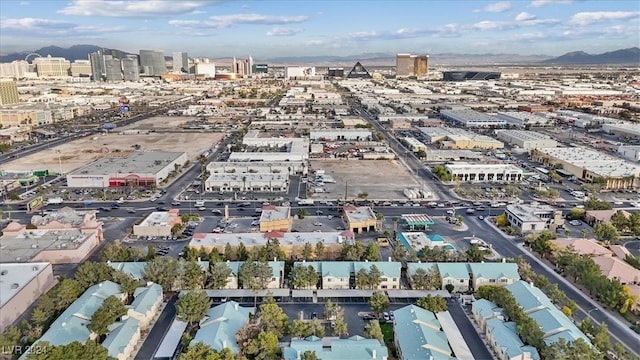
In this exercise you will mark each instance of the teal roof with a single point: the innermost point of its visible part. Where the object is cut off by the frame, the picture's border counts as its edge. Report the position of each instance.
(506, 337)
(338, 269)
(120, 336)
(528, 296)
(145, 298)
(133, 269)
(219, 327)
(387, 268)
(453, 270)
(485, 308)
(419, 336)
(553, 323)
(556, 325)
(412, 267)
(333, 348)
(494, 270)
(71, 325)
(276, 267)
(136, 269)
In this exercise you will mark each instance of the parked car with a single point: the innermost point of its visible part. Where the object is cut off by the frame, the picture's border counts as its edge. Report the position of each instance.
(386, 316)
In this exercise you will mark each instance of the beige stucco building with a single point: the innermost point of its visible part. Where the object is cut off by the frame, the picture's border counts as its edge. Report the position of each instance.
(21, 284)
(158, 223)
(275, 218)
(360, 219)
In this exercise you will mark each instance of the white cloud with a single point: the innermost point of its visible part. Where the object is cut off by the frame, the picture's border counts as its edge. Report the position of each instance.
(498, 7)
(588, 18)
(34, 23)
(125, 8)
(524, 16)
(283, 31)
(540, 3)
(529, 36)
(492, 25)
(229, 20)
(224, 21)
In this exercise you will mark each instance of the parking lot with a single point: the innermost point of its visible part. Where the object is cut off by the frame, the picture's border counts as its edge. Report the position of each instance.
(379, 179)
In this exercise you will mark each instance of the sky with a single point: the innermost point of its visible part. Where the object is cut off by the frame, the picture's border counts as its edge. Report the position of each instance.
(269, 29)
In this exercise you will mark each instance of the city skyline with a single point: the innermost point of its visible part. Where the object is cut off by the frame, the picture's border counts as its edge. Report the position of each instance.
(267, 29)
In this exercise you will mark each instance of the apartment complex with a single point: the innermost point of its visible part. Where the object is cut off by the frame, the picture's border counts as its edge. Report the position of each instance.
(9, 92)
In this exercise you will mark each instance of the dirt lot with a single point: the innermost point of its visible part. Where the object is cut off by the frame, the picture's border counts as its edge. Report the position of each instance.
(77, 153)
(381, 179)
(157, 123)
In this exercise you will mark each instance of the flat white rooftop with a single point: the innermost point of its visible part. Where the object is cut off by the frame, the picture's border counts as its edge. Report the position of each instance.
(260, 239)
(136, 163)
(23, 247)
(599, 163)
(15, 276)
(275, 213)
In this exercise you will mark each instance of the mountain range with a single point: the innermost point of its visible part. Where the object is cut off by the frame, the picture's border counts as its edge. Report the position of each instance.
(621, 56)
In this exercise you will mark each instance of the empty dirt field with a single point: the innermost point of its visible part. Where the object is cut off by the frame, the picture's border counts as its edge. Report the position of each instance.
(77, 153)
(380, 179)
(157, 123)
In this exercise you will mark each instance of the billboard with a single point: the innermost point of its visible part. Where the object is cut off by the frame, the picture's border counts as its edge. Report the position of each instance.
(260, 68)
(299, 71)
(35, 204)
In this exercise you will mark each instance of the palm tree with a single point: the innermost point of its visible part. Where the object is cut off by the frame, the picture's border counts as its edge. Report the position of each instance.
(395, 224)
(8, 208)
(584, 233)
(244, 183)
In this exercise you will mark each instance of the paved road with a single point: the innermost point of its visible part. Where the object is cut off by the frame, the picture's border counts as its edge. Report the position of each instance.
(508, 247)
(158, 331)
(468, 331)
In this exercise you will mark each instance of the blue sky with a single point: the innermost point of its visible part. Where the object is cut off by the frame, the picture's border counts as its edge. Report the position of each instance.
(267, 29)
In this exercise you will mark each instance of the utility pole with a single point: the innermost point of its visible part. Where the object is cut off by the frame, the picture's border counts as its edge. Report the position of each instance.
(346, 188)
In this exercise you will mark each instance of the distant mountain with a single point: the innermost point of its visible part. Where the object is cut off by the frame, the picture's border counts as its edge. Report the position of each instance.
(622, 56)
(75, 52)
(386, 59)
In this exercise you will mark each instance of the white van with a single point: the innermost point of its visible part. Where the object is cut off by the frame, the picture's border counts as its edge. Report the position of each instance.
(199, 203)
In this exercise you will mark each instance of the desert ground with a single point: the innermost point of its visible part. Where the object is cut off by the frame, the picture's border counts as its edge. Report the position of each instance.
(157, 123)
(78, 153)
(380, 179)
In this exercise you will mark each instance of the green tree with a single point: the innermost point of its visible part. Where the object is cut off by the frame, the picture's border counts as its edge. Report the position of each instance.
(193, 306)
(378, 302)
(230, 253)
(340, 327)
(316, 327)
(264, 347)
(301, 213)
(307, 252)
(375, 277)
(90, 273)
(362, 279)
(309, 355)
(595, 204)
(373, 331)
(73, 351)
(501, 220)
(128, 284)
(474, 254)
(10, 337)
(372, 252)
(199, 351)
(273, 319)
(192, 275)
(433, 303)
(554, 293)
(218, 276)
(303, 277)
(601, 339)
(320, 251)
(606, 232)
(111, 309)
(163, 271)
(299, 328)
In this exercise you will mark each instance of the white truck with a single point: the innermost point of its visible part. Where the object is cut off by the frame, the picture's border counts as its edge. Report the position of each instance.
(302, 202)
(55, 201)
(199, 203)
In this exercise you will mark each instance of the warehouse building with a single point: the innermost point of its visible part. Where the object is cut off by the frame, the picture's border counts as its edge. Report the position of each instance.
(471, 118)
(524, 119)
(140, 169)
(624, 129)
(340, 134)
(590, 165)
(454, 138)
(526, 139)
(467, 172)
